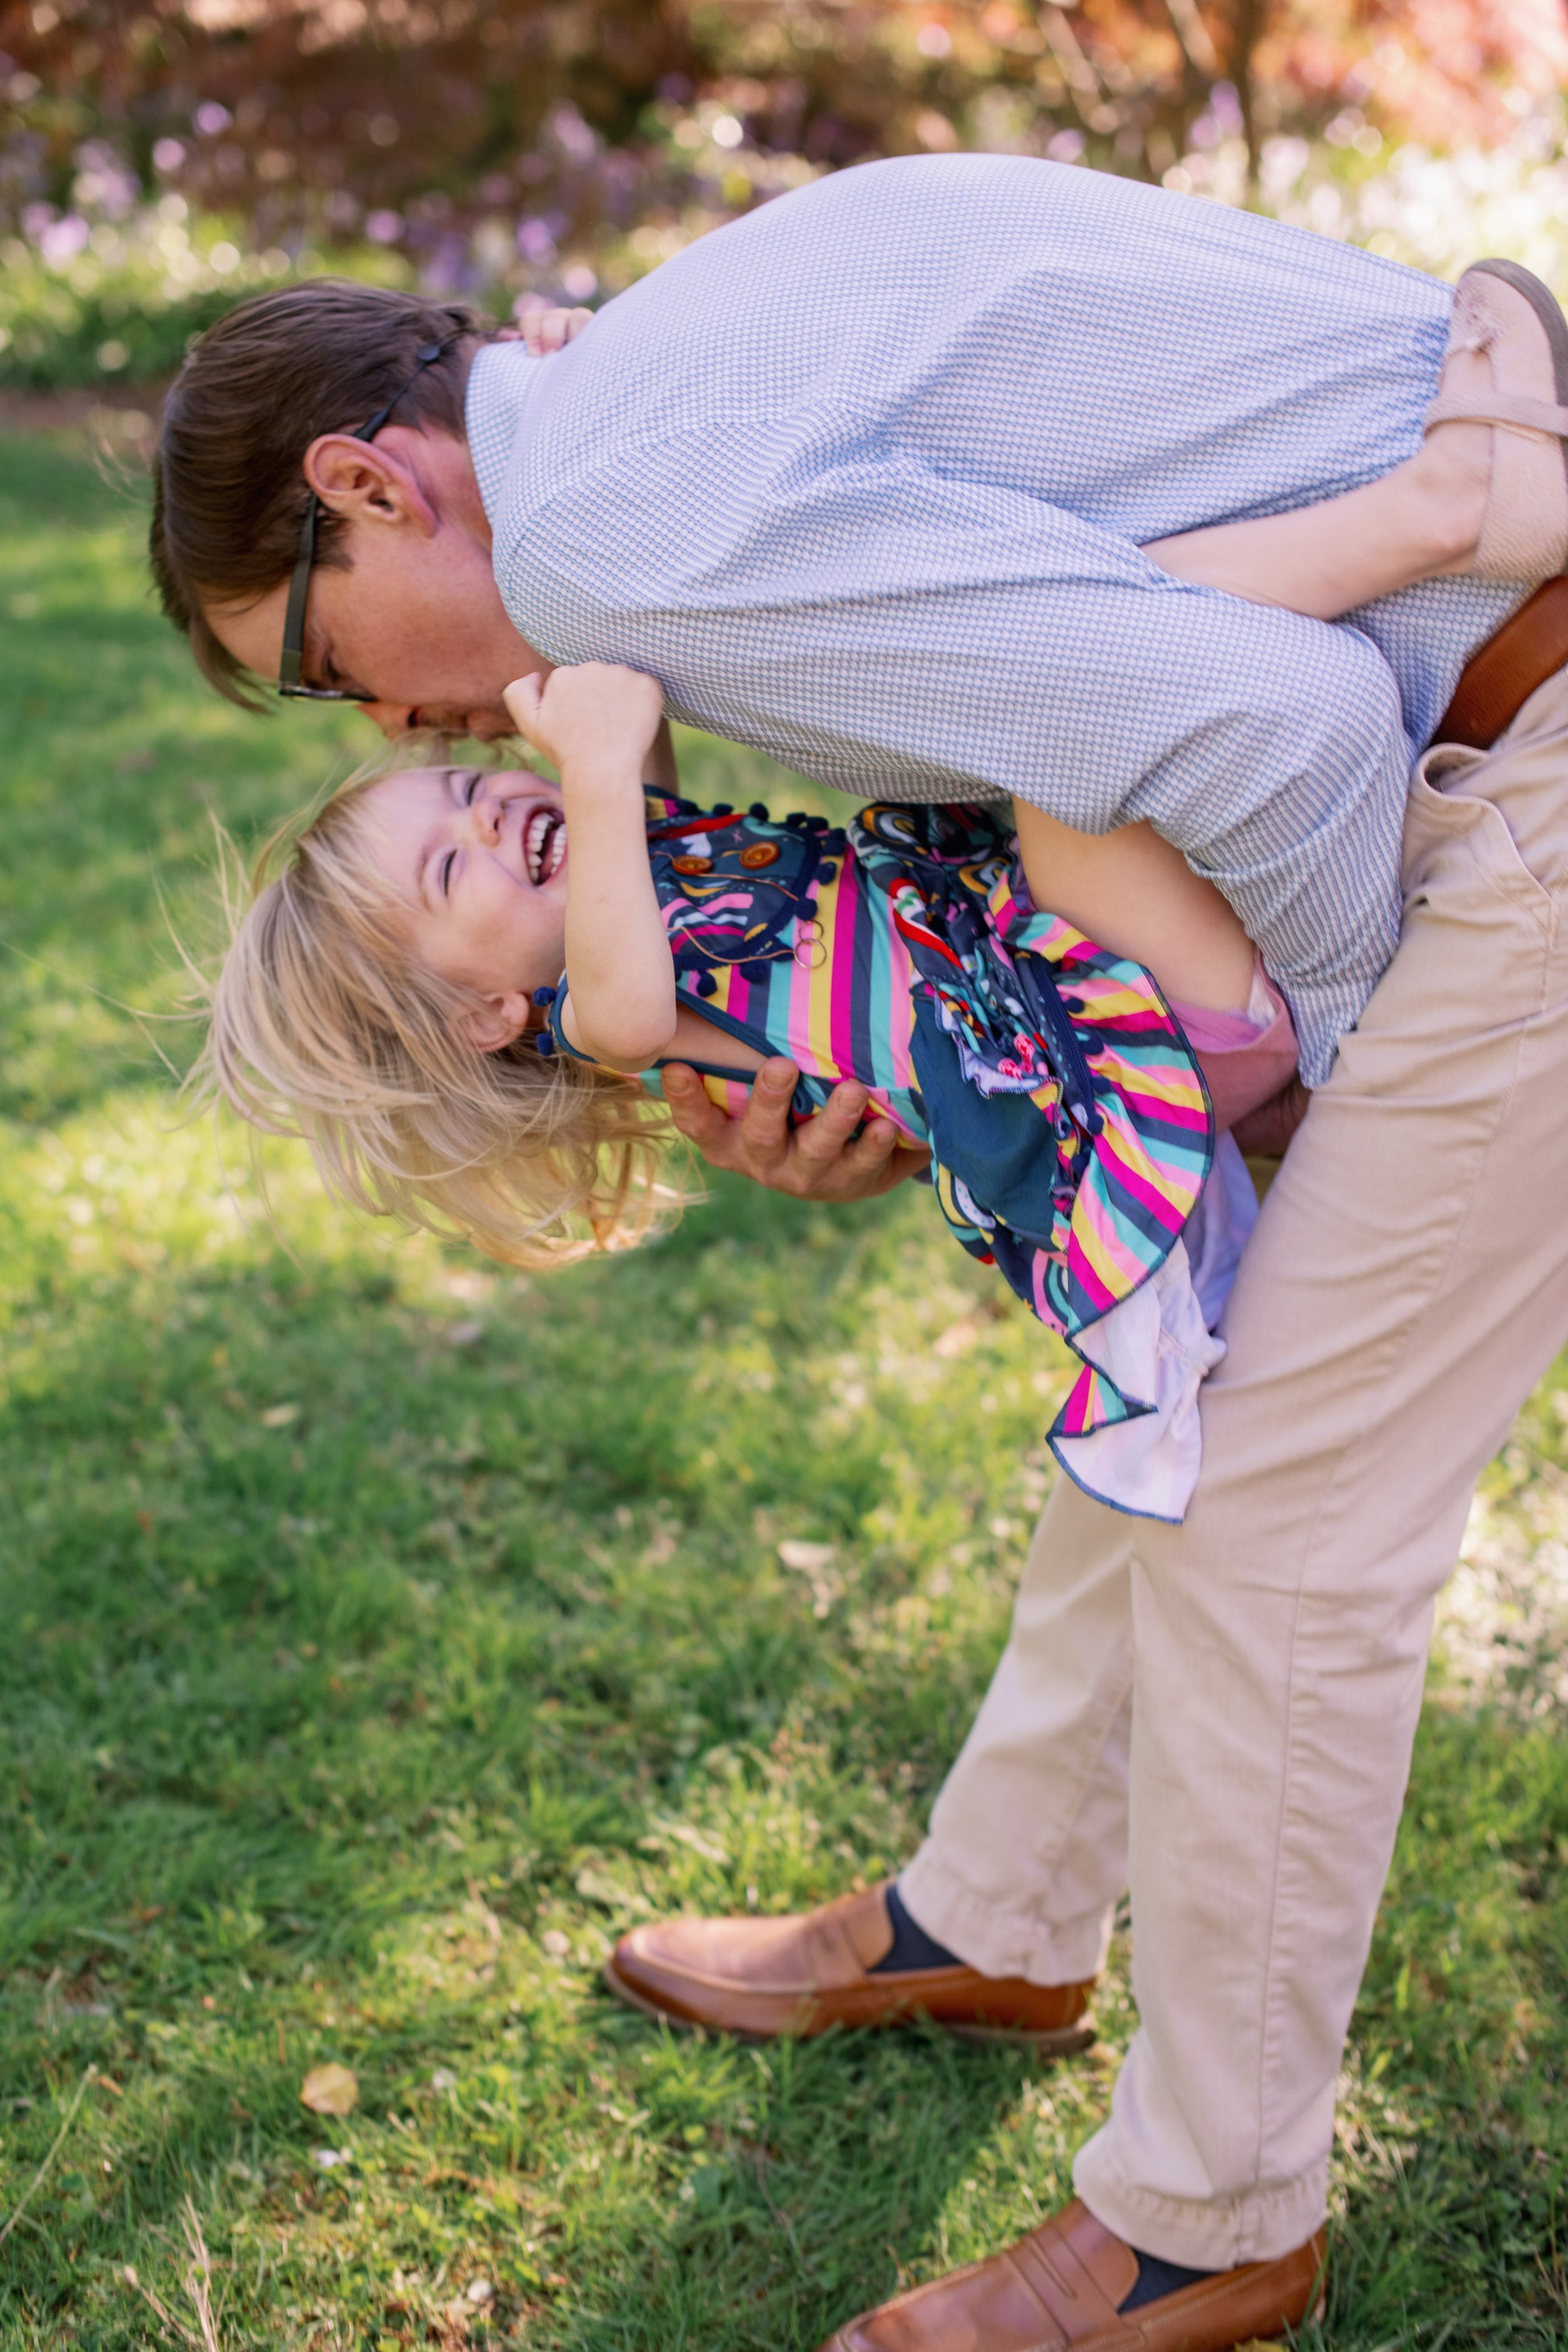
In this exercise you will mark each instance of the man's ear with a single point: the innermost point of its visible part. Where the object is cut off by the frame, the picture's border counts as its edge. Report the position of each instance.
(502, 1020)
(367, 481)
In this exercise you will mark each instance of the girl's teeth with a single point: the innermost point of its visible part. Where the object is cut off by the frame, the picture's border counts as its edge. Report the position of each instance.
(544, 845)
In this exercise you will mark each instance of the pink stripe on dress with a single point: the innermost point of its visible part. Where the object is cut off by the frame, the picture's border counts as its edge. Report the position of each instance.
(846, 913)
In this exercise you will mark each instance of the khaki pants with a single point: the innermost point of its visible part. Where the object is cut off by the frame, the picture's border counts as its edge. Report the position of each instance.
(1223, 1711)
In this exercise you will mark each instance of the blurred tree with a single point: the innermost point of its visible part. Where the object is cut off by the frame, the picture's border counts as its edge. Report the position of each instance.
(569, 144)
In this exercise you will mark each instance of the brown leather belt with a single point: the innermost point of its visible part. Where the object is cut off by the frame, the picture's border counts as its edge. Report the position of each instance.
(1500, 676)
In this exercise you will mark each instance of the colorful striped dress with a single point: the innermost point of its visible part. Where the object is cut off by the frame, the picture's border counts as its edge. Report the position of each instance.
(1068, 1123)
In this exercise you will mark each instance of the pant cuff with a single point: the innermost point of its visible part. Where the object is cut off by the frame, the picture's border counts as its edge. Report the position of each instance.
(1208, 2234)
(998, 1940)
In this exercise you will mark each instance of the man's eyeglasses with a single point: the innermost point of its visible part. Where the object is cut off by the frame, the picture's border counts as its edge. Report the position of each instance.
(289, 680)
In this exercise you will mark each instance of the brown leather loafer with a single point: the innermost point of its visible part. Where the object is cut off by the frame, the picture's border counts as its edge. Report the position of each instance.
(1061, 2284)
(759, 1978)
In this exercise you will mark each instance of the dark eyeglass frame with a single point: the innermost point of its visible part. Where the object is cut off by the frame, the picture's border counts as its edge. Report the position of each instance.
(291, 666)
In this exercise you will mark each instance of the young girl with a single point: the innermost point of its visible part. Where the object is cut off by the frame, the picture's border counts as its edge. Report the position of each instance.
(455, 1011)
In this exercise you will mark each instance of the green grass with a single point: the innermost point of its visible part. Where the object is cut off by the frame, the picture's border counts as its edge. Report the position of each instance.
(384, 1633)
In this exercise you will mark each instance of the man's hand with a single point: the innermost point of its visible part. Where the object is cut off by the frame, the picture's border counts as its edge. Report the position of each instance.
(1265, 1133)
(814, 1162)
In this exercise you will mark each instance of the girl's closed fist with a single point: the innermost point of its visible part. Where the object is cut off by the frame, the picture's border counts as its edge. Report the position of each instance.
(594, 717)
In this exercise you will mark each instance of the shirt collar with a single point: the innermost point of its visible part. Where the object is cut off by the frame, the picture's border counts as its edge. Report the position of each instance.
(502, 382)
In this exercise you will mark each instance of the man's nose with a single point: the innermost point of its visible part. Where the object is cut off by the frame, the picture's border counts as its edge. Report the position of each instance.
(393, 718)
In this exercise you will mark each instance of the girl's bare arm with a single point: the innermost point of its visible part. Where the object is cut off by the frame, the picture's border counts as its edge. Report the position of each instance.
(1132, 892)
(598, 722)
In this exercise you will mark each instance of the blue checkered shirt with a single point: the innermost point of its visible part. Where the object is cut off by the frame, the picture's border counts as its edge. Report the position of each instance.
(860, 478)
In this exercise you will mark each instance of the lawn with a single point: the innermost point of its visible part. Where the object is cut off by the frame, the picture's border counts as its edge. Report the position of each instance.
(385, 1631)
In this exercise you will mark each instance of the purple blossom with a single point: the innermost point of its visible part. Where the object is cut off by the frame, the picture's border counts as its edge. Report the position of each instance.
(451, 268)
(572, 134)
(103, 184)
(62, 240)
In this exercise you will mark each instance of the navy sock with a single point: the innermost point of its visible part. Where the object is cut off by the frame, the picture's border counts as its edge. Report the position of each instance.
(913, 1947)
(1157, 2277)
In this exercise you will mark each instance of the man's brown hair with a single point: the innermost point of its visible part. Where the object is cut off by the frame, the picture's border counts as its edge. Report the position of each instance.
(228, 484)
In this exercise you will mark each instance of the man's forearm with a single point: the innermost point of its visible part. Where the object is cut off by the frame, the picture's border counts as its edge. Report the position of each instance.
(660, 771)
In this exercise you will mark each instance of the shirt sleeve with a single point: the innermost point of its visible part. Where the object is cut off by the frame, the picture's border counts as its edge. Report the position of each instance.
(908, 635)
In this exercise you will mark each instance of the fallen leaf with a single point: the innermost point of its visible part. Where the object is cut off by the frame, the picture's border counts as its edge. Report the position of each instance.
(278, 1416)
(331, 2090)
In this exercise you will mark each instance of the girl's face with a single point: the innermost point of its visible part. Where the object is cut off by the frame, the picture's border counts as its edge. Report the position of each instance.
(478, 855)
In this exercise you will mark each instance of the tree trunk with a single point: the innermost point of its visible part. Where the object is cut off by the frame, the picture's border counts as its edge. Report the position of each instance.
(1248, 18)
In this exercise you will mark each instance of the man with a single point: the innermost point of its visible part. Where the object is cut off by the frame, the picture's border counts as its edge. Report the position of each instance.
(862, 481)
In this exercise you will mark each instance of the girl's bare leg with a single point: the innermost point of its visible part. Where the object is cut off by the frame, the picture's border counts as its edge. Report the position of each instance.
(1418, 522)
(1134, 893)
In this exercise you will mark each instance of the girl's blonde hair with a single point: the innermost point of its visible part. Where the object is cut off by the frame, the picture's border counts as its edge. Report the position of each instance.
(323, 1024)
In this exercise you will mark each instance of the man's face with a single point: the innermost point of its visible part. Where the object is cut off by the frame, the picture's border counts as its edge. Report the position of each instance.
(415, 621)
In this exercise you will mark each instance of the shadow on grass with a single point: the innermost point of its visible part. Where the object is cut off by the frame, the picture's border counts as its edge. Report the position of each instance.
(862, 2151)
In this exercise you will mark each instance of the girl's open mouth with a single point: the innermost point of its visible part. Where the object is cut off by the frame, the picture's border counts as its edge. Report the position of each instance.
(543, 843)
